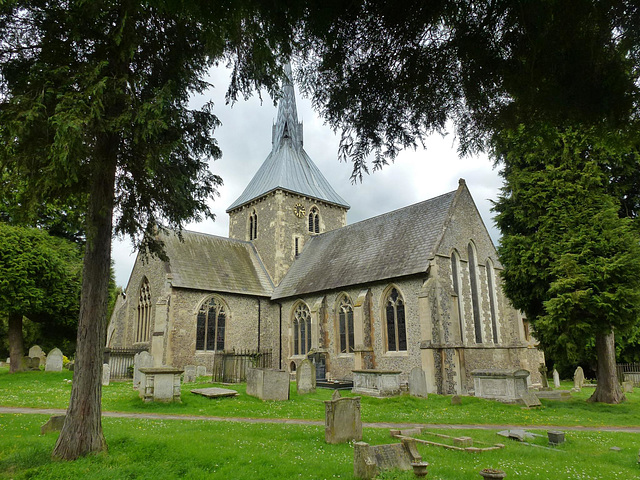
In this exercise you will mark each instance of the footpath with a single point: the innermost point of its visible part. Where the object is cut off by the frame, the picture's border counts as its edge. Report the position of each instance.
(294, 421)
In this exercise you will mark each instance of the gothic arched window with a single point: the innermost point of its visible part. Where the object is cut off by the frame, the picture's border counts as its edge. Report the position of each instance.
(301, 330)
(475, 292)
(253, 225)
(211, 325)
(395, 320)
(144, 312)
(314, 220)
(345, 324)
(492, 299)
(455, 277)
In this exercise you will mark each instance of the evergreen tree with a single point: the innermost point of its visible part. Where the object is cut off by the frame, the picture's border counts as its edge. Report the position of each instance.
(571, 263)
(40, 280)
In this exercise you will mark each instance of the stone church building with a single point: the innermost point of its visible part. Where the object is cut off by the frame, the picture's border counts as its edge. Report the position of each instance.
(416, 287)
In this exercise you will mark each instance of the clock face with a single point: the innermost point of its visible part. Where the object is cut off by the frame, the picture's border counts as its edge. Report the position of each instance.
(298, 210)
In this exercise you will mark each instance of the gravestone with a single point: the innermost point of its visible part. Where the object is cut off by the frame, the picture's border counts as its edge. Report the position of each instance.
(418, 383)
(627, 386)
(190, 373)
(376, 383)
(342, 420)
(106, 374)
(35, 351)
(306, 377)
(456, 400)
(578, 378)
(201, 371)
(54, 361)
(556, 378)
(29, 363)
(543, 376)
(268, 384)
(54, 424)
(369, 461)
(215, 392)
(556, 437)
(140, 360)
(529, 399)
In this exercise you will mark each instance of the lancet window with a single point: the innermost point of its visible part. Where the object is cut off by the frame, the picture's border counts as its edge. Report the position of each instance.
(144, 312)
(345, 325)
(301, 330)
(314, 220)
(395, 320)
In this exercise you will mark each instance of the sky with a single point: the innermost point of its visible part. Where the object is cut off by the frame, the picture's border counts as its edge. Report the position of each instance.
(245, 140)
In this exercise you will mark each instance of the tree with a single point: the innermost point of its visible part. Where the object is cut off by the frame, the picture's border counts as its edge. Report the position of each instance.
(571, 263)
(93, 101)
(40, 280)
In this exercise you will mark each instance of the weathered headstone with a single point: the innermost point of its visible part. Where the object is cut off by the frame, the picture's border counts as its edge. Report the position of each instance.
(35, 351)
(54, 361)
(418, 383)
(31, 363)
(578, 378)
(456, 400)
(54, 424)
(140, 360)
(342, 421)
(201, 371)
(543, 376)
(306, 377)
(556, 378)
(627, 386)
(530, 399)
(369, 461)
(189, 373)
(106, 374)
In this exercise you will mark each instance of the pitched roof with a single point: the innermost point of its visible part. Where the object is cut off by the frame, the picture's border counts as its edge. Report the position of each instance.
(208, 262)
(288, 167)
(392, 245)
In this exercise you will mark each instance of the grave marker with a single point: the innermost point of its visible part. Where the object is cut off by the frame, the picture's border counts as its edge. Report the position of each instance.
(418, 383)
(306, 377)
(190, 373)
(556, 378)
(342, 421)
(578, 378)
(369, 461)
(54, 361)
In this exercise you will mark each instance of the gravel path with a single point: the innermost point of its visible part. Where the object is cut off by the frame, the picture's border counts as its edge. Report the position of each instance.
(290, 421)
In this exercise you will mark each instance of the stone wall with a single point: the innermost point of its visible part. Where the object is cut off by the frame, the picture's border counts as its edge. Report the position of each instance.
(278, 227)
(123, 322)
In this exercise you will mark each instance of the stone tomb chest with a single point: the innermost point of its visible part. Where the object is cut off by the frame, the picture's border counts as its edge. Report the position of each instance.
(162, 384)
(502, 385)
(376, 383)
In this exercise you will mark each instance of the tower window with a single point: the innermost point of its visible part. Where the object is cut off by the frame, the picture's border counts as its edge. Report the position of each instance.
(314, 220)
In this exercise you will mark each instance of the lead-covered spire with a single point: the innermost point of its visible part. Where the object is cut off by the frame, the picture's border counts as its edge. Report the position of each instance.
(287, 126)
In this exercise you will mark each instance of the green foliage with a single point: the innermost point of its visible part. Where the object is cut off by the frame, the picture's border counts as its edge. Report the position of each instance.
(571, 263)
(41, 280)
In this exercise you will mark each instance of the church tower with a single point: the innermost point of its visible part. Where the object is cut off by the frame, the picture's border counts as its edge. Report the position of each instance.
(288, 200)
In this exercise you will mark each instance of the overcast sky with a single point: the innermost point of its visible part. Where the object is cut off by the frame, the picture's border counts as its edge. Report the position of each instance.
(245, 140)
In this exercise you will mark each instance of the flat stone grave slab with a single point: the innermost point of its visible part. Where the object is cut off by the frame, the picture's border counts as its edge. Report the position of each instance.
(215, 392)
(554, 394)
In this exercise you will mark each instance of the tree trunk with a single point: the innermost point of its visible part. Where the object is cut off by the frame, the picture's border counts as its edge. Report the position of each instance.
(81, 433)
(16, 348)
(608, 389)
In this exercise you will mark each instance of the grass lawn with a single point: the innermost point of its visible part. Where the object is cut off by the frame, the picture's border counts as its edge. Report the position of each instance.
(166, 449)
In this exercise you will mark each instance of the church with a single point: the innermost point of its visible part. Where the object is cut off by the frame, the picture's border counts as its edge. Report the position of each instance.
(415, 287)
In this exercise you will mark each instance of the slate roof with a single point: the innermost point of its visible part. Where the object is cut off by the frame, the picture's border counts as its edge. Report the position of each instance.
(288, 167)
(392, 245)
(209, 262)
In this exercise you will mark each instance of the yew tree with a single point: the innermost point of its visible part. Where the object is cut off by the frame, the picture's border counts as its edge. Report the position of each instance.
(94, 102)
(571, 261)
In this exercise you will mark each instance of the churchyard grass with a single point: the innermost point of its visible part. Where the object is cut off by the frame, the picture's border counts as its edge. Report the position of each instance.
(170, 449)
(51, 390)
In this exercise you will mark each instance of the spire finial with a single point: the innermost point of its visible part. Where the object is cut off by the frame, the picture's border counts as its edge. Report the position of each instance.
(287, 125)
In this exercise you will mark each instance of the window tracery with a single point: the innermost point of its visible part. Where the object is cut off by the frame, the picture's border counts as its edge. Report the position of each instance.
(144, 312)
(395, 320)
(301, 330)
(345, 325)
(211, 326)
